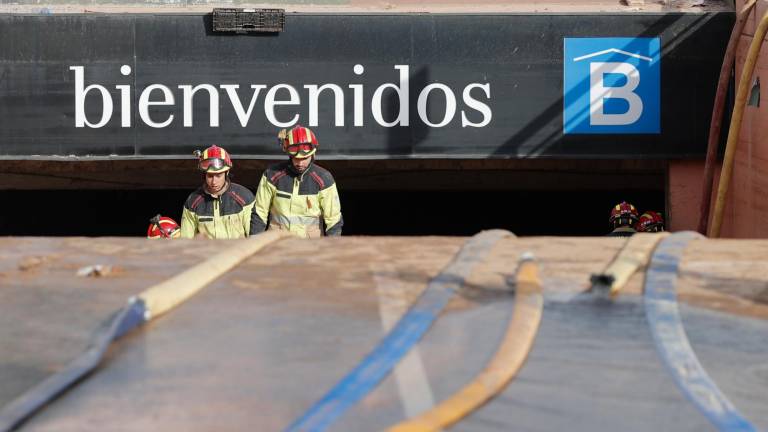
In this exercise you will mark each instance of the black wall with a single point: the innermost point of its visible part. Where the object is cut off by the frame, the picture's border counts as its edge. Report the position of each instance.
(461, 213)
(520, 56)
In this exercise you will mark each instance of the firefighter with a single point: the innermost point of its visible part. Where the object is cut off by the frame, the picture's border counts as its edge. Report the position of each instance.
(163, 227)
(219, 209)
(622, 220)
(650, 221)
(298, 195)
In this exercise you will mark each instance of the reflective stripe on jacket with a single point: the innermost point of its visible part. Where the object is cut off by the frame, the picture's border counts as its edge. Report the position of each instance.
(305, 204)
(228, 216)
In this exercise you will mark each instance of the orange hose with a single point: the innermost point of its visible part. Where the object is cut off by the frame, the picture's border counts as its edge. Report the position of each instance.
(735, 128)
(509, 358)
(717, 114)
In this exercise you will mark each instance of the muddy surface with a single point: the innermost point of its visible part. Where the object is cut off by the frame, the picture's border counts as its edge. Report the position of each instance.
(260, 344)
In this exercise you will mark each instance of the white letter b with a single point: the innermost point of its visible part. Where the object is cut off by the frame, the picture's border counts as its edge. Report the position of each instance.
(80, 91)
(598, 93)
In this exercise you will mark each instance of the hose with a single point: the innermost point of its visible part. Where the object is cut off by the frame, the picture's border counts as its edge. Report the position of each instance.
(735, 128)
(508, 360)
(717, 114)
(672, 344)
(364, 377)
(635, 254)
(148, 305)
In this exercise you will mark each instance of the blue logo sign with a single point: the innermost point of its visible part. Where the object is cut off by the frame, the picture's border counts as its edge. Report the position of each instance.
(612, 86)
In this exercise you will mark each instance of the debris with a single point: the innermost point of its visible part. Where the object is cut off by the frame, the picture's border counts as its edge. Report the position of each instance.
(97, 270)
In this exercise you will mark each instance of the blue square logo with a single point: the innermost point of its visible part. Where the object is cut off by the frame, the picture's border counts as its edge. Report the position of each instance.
(612, 86)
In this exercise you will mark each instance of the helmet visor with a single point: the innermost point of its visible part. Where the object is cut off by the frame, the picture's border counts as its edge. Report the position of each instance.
(652, 227)
(304, 149)
(171, 232)
(212, 163)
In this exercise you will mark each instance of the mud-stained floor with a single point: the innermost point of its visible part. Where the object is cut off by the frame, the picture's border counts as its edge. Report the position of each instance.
(260, 344)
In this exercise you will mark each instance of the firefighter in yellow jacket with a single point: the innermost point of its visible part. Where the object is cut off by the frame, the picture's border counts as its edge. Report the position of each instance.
(298, 195)
(219, 209)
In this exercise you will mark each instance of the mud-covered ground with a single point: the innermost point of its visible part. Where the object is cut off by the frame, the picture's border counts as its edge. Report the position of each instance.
(259, 345)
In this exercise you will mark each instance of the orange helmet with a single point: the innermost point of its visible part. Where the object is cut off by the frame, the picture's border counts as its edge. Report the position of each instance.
(623, 214)
(163, 227)
(650, 221)
(214, 159)
(299, 142)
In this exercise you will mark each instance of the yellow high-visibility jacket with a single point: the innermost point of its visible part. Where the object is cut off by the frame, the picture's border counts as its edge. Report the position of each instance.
(305, 204)
(228, 216)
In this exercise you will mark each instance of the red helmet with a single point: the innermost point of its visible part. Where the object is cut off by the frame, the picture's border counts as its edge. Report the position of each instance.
(650, 221)
(623, 214)
(299, 142)
(214, 159)
(163, 227)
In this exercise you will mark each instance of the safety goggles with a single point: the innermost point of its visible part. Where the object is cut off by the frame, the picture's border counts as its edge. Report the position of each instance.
(172, 232)
(299, 149)
(214, 163)
(168, 232)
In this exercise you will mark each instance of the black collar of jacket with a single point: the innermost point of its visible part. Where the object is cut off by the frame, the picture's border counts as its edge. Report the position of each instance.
(294, 173)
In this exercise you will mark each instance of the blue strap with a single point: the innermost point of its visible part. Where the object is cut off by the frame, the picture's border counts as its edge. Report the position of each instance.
(406, 333)
(672, 343)
(121, 322)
